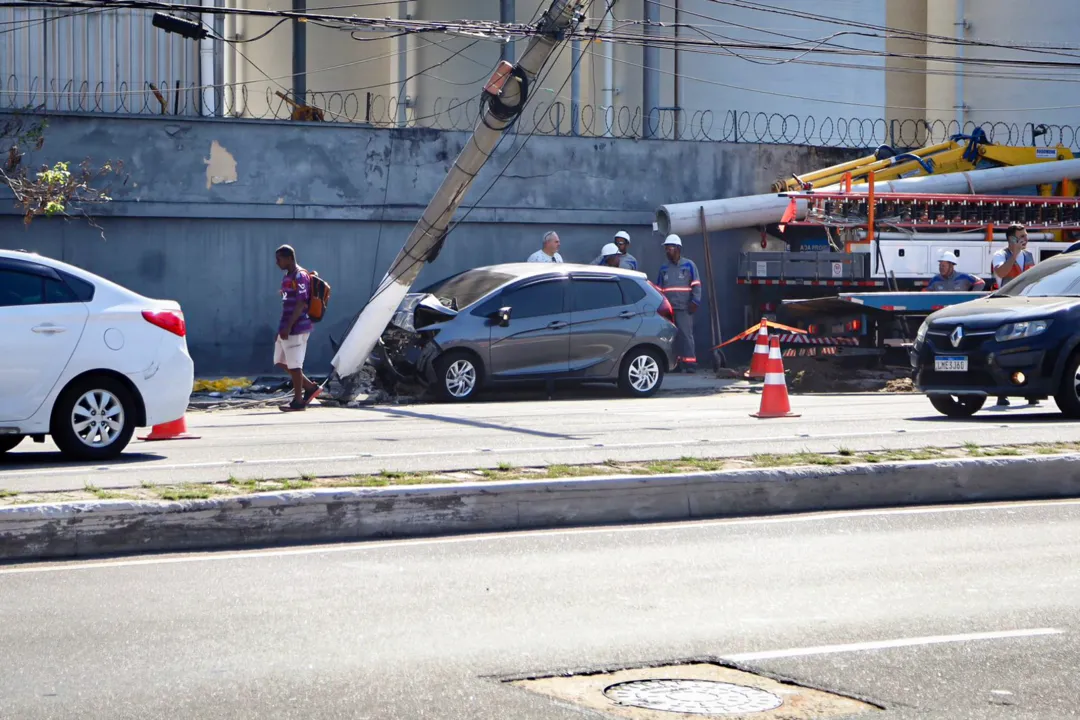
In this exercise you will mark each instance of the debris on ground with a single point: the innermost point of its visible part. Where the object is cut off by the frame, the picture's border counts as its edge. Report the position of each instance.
(220, 385)
(828, 375)
(900, 385)
(369, 387)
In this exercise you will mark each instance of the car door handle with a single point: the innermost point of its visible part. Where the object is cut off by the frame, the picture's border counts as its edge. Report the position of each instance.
(627, 314)
(48, 329)
(557, 325)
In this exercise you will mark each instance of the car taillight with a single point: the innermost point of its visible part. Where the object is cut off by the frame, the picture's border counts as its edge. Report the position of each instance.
(171, 320)
(665, 310)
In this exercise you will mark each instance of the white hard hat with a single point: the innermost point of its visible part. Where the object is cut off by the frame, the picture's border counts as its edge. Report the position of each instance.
(949, 257)
(673, 240)
(622, 235)
(610, 249)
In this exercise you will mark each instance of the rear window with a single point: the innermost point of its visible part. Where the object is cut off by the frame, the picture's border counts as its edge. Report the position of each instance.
(632, 291)
(84, 291)
(462, 290)
(596, 294)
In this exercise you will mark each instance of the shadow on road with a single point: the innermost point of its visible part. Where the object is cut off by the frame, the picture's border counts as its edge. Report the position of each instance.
(45, 460)
(992, 418)
(398, 412)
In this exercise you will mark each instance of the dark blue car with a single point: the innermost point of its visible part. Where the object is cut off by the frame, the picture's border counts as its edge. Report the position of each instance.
(1021, 341)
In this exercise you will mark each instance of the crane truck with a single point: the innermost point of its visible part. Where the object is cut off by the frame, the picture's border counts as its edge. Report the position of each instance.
(869, 230)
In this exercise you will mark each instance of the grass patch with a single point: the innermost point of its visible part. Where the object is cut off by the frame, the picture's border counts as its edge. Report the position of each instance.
(391, 474)
(845, 452)
(291, 484)
(664, 467)
(505, 466)
(187, 492)
(8, 493)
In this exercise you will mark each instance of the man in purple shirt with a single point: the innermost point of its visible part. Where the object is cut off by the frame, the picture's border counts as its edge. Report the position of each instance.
(290, 347)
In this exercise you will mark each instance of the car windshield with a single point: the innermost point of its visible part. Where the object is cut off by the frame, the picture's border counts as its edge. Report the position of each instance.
(1057, 277)
(461, 290)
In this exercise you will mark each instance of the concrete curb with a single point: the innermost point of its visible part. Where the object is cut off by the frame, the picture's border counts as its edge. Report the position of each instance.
(325, 515)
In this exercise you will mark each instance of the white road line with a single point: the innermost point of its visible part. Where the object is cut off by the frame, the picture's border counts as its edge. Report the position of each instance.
(886, 644)
(209, 556)
(144, 467)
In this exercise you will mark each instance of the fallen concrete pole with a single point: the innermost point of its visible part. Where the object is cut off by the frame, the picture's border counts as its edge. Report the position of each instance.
(755, 210)
(332, 515)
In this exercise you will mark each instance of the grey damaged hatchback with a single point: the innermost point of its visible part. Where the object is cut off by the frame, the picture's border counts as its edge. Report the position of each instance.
(532, 321)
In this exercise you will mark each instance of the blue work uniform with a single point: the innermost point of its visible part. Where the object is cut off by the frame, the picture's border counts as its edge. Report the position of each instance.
(958, 282)
(681, 284)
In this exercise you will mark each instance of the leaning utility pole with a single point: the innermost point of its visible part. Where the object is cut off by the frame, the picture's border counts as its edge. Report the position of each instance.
(505, 96)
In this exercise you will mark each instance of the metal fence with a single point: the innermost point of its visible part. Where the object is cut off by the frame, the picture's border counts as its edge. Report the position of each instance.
(110, 50)
(550, 118)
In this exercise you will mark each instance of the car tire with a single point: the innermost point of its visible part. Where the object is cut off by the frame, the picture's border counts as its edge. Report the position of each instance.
(958, 406)
(458, 376)
(98, 436)
(1068, 394)
(8, 442)
(642, 373)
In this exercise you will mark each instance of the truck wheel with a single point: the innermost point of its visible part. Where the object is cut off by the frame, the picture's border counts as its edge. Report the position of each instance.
(641, 373)
(457, 376)
(1068, 394)
(8, 442)
(958, 406)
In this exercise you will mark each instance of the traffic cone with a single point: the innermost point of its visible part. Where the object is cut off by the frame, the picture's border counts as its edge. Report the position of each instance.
(774, 398)
(175, 430)
(760, 359)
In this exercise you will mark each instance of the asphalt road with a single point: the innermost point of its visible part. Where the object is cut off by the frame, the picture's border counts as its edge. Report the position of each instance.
(427, 629)
(266, 443)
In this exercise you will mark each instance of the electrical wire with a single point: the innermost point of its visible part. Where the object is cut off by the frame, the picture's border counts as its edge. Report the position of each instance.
(395, 267)
(831, 101)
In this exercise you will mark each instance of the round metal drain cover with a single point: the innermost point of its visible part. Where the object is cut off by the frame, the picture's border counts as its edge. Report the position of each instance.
(696, 697)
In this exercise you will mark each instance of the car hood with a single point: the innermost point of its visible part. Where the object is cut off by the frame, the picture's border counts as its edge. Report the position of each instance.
(418, 310)
(993, 312)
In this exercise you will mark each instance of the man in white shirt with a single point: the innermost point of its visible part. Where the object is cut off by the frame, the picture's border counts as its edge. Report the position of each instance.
(550, 251)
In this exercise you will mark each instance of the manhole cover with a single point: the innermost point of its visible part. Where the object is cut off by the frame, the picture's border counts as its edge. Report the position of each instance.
(696, 697)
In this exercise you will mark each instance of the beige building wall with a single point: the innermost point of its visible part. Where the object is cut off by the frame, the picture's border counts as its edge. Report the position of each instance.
(941, 102)
(905, 78)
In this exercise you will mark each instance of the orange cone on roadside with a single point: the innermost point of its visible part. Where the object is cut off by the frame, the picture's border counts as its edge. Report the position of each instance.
(175, 430)
(760, 359)
(774, 397)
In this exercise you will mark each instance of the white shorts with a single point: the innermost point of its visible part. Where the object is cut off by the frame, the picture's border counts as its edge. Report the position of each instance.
(291, 352)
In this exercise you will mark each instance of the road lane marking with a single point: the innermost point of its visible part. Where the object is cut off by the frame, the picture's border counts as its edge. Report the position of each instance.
(76, 564)
(887, 644)
(135, 467)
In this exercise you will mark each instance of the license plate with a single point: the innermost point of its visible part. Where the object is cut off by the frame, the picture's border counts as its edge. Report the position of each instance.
(951, 364)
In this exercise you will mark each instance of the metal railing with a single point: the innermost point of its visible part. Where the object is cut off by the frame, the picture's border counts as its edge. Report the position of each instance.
(552, 118)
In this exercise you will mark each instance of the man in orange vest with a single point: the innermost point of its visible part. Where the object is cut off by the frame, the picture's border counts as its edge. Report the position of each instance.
(1009, 263)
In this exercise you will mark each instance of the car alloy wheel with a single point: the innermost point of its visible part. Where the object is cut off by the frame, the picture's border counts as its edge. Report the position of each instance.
(643, 373)
(460, 378)
(97, 418)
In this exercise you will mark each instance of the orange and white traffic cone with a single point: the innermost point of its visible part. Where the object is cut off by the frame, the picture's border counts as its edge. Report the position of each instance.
(774, 397)
(175, 430)
(761, 354)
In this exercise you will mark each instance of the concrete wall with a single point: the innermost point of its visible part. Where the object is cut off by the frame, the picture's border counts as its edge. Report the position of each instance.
(208, 201)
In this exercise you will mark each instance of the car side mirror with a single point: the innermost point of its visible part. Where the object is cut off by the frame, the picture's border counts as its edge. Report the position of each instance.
(502, 316)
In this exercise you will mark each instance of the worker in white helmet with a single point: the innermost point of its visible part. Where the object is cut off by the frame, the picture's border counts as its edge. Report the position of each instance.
(622, 244)
(609, 256)
(949, 279)
(680, 282)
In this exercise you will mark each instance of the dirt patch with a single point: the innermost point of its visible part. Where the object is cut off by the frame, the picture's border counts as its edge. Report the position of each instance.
(828, 375)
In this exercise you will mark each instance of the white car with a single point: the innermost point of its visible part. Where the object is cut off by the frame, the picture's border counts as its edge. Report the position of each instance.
(85, 360)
